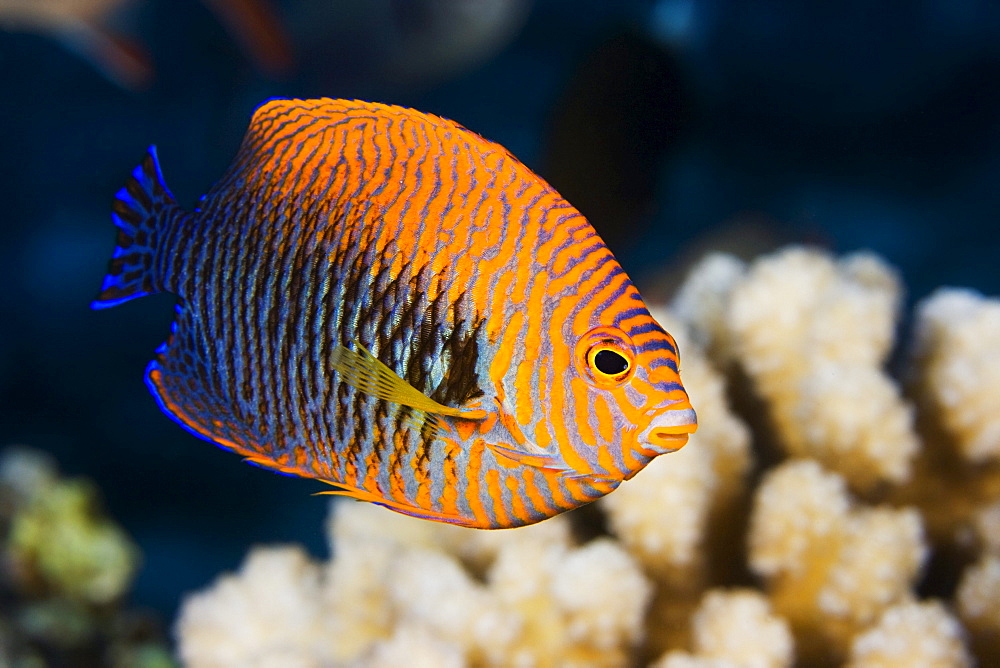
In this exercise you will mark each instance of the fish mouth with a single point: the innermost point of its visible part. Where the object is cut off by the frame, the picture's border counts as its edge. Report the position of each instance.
(669, 429)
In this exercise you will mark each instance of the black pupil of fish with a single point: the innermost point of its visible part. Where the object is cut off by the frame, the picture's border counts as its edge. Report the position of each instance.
(609, 362)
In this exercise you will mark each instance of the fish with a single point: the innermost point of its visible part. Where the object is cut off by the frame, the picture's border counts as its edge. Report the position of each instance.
(385, 301)
(86, 28)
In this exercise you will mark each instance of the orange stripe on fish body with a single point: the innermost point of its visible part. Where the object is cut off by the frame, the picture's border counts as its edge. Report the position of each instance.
(384, 300)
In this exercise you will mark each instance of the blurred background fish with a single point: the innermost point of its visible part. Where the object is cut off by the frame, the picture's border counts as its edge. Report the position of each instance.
(90, 28)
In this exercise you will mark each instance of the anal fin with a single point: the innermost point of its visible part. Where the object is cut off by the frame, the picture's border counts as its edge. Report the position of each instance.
(393, 504)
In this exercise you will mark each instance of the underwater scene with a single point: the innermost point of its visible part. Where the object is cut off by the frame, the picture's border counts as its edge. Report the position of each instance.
(390, 253)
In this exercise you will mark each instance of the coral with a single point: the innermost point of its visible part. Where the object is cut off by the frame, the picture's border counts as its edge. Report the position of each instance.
(735, 628)
(957, 352)
(436, 594)
(812, 334)
(668, 516)
(831, 566)
(57, 539)
(270, 612)
(818, 505)
(953, 375)
(67, 568)
(410, 646)
(702, 303)
(978, 599)
(62, 543)
(911, 634)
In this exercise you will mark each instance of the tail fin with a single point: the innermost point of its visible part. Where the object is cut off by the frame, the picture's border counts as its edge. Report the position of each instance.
(139, 211)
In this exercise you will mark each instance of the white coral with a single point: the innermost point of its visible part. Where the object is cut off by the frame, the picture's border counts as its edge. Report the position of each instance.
(881, 553)
(813, 334)
(661, 514)
(823, 309)
(958, 353)
(978, 595)
(396, 581)
(798, 508)
(735, 628)
(267, 615)
(414, 647)
(832, 566)
(912, 634)
(702, 302)
(610, 608)
(821, 368)
(431, 589)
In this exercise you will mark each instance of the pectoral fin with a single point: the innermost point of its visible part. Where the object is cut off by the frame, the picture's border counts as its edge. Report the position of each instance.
(363, 371)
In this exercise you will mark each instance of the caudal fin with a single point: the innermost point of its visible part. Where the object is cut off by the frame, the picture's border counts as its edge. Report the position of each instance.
(141, 210)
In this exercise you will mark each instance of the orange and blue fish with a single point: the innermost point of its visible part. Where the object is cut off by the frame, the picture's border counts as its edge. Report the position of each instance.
(381, 299)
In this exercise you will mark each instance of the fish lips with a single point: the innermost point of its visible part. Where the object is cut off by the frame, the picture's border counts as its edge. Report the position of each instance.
(669, 429)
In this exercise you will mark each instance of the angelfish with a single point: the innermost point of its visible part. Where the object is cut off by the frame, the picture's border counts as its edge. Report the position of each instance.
(381, 299)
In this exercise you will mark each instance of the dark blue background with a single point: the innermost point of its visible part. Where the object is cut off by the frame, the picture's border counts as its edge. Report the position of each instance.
(860, 125)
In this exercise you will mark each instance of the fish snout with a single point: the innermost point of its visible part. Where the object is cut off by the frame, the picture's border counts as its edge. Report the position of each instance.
(669, 429)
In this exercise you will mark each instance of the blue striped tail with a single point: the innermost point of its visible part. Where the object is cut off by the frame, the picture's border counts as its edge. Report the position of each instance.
(139, 210)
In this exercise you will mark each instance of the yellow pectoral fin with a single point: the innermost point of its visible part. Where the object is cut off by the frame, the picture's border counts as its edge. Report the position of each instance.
(363, 371)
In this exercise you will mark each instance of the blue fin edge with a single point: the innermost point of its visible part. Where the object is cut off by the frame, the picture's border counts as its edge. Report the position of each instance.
(135, 212)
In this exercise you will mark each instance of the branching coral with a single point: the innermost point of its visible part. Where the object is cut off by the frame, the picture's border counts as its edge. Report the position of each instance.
(58, 540)
(734, 628)
(957, 351)
(979, 605)
(63, 544)
(270, 612)
(978, 595)
(812, 334)
(680, 505)
(911, 634)
(953, 376)
(458, 595)
(819, 502)
(702, 303)
(831, 566)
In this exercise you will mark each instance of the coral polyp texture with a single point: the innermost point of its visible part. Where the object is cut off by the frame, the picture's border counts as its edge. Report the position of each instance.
(812, 333)
(830, 510)
(959, 334)
(830, 566)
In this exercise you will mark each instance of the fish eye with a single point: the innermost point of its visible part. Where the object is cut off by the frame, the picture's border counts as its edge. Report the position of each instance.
(606, 357)
(608, 361)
